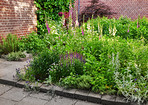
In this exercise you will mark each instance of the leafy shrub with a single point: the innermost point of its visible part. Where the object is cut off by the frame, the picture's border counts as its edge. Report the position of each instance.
(81, 82)
(15, 56)
(9, 44)
(69, 64)
(39, 66)
(31, 43)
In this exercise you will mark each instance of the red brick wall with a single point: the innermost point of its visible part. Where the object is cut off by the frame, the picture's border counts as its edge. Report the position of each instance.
(129, 8)
(17, 17)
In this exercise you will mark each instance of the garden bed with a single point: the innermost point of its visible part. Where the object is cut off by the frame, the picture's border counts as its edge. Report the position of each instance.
(106, 56)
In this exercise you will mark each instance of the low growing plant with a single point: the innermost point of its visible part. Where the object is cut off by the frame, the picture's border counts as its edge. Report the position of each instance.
(15, 56)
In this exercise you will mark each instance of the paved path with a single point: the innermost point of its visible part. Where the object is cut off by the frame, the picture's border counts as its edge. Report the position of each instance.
(8, 68)
(17, 96)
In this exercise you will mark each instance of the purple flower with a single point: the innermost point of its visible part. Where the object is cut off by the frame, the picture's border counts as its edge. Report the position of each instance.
(27, 81)
(136, 79)
(60, 14)
(138, 24)
(128, 30)
(82, 32)
(48, 27)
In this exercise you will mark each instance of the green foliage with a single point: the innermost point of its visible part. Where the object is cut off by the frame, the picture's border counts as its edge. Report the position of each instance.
(65, 67)
(31, 43)
(98, 46)
(123, 24)
(9, 44)
(15, 56)
(81, 82)
(39, 66)
(131, 83)
(49, 9)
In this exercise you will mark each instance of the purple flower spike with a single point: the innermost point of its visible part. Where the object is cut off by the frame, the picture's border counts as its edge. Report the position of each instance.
(136, 79)
(82, 32)
(48, 27)
(138, 25)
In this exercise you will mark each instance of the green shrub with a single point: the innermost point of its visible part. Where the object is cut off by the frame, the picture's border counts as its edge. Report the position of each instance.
(9, 44)
(39, 66)
(65, 67)
(81, 82)
(31, 43)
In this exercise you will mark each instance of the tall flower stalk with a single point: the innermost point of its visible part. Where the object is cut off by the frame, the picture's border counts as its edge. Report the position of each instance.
(48, 27)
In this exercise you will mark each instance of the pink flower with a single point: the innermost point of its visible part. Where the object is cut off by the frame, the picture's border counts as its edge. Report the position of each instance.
(48, 27)
(66, 15)
(138, 24)
(60, 14)
(82, 32)
(128, 30)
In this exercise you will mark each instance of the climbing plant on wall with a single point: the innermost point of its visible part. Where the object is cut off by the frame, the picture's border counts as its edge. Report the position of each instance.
(49, 9)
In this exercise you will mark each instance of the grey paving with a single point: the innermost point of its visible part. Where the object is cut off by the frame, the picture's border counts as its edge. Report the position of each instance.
(17, 96)
(8, 68)
(85, 103)
(61, 101)
(43, 96)
(4, 88)
(32, 101)
(7, 102)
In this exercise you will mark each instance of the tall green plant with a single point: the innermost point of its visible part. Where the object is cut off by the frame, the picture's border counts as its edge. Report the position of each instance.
(9, 44)
(49, 9)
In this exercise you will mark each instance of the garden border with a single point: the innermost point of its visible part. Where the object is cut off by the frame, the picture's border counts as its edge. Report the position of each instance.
(72, 93)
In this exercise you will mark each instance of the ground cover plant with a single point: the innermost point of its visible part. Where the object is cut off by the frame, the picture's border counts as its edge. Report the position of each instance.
(107, 56)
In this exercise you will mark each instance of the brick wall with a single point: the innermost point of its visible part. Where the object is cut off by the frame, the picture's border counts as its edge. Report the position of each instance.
(129, 8)
(17, 17)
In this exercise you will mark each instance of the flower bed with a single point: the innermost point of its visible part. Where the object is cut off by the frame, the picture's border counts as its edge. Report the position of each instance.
(103, 55)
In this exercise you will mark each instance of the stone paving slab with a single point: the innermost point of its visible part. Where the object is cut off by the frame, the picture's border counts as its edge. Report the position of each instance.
(121, 101)
(85, 103)
(15, 94)
(108, 100)
(9, 67)
(32, 101)
(43, 96)
(4, 88)
(94, 97)
(81, 94)
(62, 101)
(6, 102)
